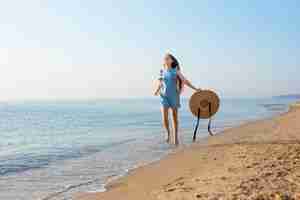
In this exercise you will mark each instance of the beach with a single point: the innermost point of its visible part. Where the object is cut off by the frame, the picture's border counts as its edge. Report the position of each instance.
(258, 160)
(91, 91)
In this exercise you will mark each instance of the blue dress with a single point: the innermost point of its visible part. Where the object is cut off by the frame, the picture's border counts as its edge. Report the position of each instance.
(169, 95)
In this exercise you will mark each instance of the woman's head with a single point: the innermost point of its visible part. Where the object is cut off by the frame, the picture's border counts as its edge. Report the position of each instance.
(171, 61)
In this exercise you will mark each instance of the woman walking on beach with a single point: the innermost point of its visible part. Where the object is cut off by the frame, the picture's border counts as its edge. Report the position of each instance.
(169, 87)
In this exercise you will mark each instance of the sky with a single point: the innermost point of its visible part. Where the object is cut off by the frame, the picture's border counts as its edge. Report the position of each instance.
(114, 49)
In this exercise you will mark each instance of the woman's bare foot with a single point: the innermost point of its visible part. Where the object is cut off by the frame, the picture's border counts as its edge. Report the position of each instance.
(168, 140)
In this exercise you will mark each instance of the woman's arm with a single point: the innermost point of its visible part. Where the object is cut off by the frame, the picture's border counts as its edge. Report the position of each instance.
(186, 81)
(158, 86)
(189, 84)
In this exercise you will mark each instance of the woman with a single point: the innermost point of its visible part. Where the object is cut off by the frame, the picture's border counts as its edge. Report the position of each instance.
(169, 87)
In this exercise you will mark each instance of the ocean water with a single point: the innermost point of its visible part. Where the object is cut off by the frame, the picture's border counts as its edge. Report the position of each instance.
(51, 150)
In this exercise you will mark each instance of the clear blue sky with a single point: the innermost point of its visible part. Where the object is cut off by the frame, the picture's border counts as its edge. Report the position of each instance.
(94, 49)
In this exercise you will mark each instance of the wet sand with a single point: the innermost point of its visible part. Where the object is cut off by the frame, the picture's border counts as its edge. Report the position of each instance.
(259, 160)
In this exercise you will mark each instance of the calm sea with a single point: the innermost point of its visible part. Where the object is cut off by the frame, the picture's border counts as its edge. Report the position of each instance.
(50, 150)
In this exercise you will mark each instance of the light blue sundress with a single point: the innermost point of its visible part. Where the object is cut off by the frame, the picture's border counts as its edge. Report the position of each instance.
(169, 95)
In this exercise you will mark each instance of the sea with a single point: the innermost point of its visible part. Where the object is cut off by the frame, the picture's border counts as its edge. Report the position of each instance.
(51, 150)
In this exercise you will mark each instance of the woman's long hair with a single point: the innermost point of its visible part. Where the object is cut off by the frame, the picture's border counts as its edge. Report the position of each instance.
(175, 65)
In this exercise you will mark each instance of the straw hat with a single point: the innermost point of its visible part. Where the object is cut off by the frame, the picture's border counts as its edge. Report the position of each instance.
(201, 100)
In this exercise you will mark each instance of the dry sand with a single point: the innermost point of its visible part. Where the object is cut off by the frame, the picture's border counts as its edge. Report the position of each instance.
(259, 160)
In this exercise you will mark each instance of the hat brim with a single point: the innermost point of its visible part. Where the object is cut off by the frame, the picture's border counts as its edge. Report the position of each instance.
(202, 100)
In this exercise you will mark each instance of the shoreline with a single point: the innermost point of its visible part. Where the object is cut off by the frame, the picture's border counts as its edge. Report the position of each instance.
(124, 187)
(110, 181)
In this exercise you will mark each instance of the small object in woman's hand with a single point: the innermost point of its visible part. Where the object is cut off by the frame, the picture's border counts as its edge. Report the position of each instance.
(161, 72)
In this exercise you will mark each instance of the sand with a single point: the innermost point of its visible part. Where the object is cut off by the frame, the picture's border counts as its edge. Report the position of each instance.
(259, 160)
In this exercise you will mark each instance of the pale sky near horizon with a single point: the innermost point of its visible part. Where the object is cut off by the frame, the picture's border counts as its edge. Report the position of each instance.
(102, 49)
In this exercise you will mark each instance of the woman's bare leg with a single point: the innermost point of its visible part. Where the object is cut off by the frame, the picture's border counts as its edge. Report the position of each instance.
(175, 124)
(165, 121)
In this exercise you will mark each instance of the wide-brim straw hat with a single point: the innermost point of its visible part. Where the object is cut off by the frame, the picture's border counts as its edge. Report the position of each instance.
(205, 101)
